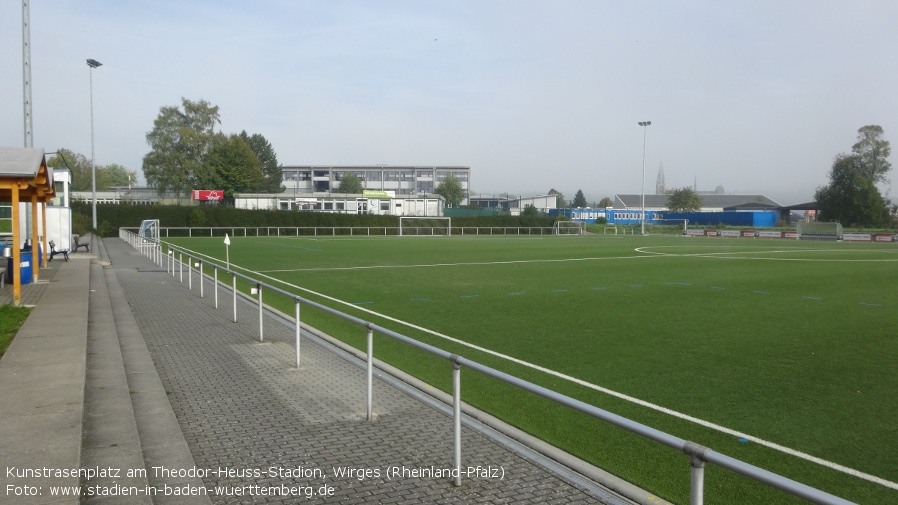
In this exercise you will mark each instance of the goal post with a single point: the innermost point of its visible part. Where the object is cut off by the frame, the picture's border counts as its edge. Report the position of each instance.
(667, 226)
(567, 228)
(817, 230)
(425, 226)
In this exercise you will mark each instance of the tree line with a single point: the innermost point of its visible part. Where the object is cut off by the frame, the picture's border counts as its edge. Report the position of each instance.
(108, 176)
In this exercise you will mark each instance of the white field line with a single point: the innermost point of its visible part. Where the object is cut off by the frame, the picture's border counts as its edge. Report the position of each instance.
(622, 396)
(478, 263)
(731, 255)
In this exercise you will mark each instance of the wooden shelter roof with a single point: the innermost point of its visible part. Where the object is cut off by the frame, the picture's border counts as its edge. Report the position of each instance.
(27, 169)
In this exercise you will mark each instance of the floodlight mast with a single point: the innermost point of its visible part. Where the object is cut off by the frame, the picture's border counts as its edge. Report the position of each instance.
(92, 63)
(644, 125)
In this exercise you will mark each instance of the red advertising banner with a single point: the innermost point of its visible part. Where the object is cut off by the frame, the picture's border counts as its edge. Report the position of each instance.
(208, 194)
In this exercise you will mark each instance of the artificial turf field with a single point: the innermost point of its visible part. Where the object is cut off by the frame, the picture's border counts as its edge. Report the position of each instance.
(780, 341)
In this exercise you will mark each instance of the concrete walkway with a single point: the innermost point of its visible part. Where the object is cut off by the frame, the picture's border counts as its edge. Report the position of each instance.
(123, 370)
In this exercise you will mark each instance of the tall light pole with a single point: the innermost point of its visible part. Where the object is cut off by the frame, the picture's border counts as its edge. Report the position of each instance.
(644, 125)
(93, 169)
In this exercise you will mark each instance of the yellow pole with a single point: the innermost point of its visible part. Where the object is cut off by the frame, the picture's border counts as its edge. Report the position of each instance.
(44, 234)
(16, 256)
(34, 239)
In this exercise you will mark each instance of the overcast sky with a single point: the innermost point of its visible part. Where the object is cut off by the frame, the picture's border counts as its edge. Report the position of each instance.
(756, 96)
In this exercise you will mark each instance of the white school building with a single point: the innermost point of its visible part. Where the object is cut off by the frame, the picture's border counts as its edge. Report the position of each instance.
(383, 203)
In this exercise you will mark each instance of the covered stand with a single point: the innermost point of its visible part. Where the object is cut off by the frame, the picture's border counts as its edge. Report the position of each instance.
(25, 178)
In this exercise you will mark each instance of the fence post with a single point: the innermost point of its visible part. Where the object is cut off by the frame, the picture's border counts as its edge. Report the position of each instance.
(297, 332)
(200, 270)
(456, 415)
(189, 273)
(370, 338)
(259, 287)
(696, 455)
(181, 266)
(234, 289)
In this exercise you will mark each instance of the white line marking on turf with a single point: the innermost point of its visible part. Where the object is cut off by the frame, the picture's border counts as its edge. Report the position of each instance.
(649, 405)
(478, 263)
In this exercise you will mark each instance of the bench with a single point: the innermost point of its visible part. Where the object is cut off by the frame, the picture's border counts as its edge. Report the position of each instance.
(54, 252)
(79, 244)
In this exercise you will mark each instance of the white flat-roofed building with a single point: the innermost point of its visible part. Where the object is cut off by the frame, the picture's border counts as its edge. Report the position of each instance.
(404, 181)
(384, 203)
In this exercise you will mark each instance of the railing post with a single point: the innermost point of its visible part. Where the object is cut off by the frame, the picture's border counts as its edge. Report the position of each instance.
(259, 287)
(297, 332)
(181, 266)
(215, 276)
(200, 270)
(696, 455)
(189, 273)
(234, 288)
(456, 415)
(370, 339)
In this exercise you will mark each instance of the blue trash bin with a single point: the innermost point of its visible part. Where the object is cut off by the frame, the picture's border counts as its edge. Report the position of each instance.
(26, 269)
(40, 251)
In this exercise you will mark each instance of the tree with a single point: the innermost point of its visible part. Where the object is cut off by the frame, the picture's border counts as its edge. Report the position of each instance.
(605, 202)
(349, 183)
(579, 199)
(234, 165)
(77, 163)
(683, 200)
(530, 210)
(107, 176)
(872, 152)
(851, 197)
(114, 175)
(271, 170)
(450, 189)
(179, 141)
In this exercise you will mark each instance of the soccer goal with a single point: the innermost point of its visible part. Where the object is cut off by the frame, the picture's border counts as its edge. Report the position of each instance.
(818, 231)
(567, 228)
(666, 227)
(425, 226)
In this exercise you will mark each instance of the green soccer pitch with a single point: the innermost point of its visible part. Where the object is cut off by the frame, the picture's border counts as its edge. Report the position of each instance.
(776, 352)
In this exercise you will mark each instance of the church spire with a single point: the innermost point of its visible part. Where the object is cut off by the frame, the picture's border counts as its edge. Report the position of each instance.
(660, 187)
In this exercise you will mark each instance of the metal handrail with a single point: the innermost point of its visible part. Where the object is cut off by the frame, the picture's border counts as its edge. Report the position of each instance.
(699, 455)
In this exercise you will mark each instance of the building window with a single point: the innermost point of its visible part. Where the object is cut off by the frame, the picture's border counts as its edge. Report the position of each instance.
(385, 205)
(408, 175)
(341, 205)
(391, 176)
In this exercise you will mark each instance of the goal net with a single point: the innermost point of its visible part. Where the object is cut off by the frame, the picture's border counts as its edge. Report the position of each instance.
(567, 228)
(666, 227)
(425, 226)
(149, 231)
(819, 231)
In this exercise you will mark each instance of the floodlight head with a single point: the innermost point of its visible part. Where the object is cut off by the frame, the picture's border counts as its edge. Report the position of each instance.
(645, 123)
(93, 63)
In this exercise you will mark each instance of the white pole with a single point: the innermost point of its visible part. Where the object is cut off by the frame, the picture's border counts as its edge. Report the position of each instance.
(93, 169)
(644, 125)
